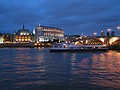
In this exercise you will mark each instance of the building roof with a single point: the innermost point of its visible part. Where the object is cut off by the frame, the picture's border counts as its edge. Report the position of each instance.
(50, 27)
(22, 31)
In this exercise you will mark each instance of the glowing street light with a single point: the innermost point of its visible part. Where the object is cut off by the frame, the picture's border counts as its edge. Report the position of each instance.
(102, 31)
(95, 33)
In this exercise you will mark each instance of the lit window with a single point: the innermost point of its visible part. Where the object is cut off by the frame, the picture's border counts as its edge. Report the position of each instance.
(21, 33)
(25, 39)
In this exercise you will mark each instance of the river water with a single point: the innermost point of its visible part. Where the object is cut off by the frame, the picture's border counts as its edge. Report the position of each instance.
(39, 69)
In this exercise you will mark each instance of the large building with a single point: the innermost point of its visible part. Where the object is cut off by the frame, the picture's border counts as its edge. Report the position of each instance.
(46, 34)
(23, 36)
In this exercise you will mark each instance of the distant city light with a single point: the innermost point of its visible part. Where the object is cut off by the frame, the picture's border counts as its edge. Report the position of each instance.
(109, 30)
(102, 40)
(95, 33)
(82, 34)
(39, 25)
(113, 40)
(118, 27)
(33, 31)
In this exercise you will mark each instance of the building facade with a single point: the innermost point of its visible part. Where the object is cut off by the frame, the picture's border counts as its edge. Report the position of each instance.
(1, 38)
(46, 34)
(23, 36)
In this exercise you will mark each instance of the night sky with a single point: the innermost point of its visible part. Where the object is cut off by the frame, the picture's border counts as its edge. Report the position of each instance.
(74, 16)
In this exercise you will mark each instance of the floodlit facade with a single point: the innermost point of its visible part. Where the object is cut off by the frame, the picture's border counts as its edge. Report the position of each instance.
(23, 35)
(46, 34)
(1, 39)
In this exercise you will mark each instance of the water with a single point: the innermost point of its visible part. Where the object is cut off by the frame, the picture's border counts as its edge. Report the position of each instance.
(39, 69)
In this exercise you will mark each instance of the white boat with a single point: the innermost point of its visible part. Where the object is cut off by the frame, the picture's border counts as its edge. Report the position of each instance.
(72, 47)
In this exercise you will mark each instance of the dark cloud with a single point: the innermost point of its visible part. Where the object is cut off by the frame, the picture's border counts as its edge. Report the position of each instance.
(74, 16)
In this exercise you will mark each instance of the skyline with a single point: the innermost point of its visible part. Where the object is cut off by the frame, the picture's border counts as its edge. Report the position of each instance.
(74, 16)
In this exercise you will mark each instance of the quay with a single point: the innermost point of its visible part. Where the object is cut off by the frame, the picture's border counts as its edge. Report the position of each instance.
(45, 45)
(31, 45)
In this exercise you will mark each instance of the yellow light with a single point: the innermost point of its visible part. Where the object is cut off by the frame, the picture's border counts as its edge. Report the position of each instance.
(35, 44)
(112, 40)
(102, 40)
(25, 39)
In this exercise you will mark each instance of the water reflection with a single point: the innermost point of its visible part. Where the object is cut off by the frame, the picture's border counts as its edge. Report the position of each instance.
(21, 66)
(32, 66)
(101, 69)
(105, 69)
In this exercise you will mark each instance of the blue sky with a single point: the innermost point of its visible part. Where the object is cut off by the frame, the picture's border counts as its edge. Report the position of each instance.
(74, 16)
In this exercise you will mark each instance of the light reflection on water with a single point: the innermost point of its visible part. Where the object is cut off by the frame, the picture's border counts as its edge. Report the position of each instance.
(20, 67)
(101, 69)
(107, 67)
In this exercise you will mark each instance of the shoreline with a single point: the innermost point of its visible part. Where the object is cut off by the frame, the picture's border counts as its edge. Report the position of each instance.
(25, 45)
(41, 45)
(33, 45)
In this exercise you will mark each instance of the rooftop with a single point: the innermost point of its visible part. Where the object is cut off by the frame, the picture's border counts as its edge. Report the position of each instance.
(50, 27)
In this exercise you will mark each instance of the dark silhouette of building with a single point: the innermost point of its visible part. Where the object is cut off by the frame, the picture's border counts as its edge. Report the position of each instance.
(112, 33)
(108, 34)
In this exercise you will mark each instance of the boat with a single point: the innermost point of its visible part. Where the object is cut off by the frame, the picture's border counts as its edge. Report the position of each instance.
(73, 47)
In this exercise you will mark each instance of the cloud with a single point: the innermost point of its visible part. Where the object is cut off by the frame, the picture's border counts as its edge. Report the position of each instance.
(72, 15)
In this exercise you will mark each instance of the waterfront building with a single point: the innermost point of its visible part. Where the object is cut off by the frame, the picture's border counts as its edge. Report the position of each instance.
(1, 38)
(23, 36)
(72, 38)
(7, 38)
(48, 34)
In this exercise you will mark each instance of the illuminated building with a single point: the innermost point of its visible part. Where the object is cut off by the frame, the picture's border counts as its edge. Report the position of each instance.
(1, 38)
(23, 36)
(46, 34)
(72, 38)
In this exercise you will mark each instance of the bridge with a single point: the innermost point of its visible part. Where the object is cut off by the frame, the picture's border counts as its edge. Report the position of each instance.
(107, 40)
(110, 40)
